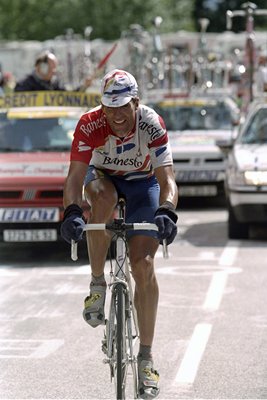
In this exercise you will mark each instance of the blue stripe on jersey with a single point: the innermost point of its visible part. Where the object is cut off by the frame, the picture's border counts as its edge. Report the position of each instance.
(160, 151)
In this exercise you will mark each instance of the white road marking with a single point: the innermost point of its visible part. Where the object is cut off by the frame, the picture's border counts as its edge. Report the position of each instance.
(190, 363)
(7, 271)
(219, 279)
(18, 348)
(229, 253)
(197, 344)
(215, 291)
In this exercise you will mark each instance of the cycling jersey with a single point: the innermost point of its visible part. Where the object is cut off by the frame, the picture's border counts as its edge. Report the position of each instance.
(135, 156)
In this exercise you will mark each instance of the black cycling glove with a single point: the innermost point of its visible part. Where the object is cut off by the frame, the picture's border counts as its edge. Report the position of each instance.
(165, 219)
(73, 223)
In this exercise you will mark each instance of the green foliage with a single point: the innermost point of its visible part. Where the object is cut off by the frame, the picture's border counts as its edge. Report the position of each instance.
(47, 19)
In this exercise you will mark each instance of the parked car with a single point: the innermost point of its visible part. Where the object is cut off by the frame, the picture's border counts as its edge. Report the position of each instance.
(246, 173)
(194, 124)
(34, 158)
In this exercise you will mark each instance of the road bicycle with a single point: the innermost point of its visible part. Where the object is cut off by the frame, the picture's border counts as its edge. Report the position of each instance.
(121, 328)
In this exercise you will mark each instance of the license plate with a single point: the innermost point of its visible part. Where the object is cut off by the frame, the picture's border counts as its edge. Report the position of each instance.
(30, 235)
(198, 176)
(29, 214)
(203, 190)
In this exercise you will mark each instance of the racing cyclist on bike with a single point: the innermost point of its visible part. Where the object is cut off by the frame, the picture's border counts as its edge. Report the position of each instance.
(121, 148)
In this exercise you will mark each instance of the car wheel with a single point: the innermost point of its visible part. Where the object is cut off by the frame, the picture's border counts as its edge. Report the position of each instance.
(236, 229)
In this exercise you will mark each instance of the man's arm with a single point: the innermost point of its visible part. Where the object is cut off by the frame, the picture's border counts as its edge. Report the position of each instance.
(73, 222)
(73, 187)
(168, 188)
(165, 216)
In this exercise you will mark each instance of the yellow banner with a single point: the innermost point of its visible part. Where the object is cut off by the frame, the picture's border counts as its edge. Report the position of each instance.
(50, 99)
(187, 102)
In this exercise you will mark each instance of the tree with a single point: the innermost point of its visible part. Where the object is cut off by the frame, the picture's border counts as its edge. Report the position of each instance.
(35, 20)
(215, 11)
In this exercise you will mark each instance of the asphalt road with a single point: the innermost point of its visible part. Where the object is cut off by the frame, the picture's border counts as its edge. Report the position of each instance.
(210, 340)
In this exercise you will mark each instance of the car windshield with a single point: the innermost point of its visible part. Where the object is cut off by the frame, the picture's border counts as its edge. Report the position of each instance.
(194, 117)
(256, 131)
(36, 134)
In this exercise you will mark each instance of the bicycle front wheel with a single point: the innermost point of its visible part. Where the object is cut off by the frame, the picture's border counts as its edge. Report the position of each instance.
(120, 342)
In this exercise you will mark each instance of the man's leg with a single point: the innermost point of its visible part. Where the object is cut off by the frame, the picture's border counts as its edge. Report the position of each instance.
(102, 197)
(142, 251)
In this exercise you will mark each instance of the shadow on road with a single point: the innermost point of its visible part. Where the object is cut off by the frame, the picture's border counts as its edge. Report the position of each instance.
(207, 235)
(215, 233)
(199, 203)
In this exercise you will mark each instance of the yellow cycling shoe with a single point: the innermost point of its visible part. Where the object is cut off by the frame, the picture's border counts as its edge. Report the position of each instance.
(148, 380)
(94, 306)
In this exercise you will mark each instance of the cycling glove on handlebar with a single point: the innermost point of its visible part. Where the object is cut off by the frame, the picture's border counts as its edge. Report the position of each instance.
(165, 219)
(73, 223)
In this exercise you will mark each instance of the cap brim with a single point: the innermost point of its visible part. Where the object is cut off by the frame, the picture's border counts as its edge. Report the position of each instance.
(118, 101)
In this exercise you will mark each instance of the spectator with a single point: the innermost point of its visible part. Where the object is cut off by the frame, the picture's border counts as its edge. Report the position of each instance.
(43, 76)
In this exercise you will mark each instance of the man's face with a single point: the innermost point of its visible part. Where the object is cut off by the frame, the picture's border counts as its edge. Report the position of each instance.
(52, 62)
(51, 70)
(121, 119)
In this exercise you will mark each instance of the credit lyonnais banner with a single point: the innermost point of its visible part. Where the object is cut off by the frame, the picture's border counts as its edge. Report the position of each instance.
(50, 99)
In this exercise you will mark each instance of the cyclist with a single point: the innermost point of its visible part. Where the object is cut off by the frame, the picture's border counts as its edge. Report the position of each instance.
(121, 147)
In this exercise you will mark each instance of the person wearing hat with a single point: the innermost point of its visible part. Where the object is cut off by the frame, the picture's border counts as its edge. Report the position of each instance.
(122, 147)
(44, 76)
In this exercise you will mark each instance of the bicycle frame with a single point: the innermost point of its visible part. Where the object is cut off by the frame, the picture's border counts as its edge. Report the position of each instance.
(119, 333)
(121, 328)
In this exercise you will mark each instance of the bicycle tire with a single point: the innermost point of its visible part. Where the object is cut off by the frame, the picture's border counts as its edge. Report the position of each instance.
(120, 342)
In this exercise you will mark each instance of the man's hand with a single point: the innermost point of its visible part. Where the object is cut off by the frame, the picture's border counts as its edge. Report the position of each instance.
(165, 219)
(73, 223)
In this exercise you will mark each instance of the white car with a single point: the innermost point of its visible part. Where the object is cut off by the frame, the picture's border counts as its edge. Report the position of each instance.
(194, 124)
(246, 174)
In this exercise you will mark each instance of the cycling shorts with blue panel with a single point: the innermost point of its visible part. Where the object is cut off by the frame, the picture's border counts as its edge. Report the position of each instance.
(142, 197)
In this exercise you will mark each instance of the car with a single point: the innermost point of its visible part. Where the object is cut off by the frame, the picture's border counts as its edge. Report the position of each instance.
(194, 123)
(246, 173)
(36, 131)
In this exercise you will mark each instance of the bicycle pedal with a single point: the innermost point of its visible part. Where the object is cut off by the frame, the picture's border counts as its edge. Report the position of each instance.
(94, 319)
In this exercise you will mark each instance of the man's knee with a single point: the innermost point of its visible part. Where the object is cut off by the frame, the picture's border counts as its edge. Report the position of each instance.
(143, 270)
(101, 197)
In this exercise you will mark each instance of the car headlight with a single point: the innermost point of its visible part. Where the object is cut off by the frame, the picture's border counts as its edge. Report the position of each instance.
(236, 177)
(257, 178)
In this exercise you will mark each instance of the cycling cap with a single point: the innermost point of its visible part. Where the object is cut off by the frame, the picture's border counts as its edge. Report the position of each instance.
(118, 87)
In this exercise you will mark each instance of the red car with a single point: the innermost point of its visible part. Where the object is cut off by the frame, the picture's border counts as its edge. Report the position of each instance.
(34, 157)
